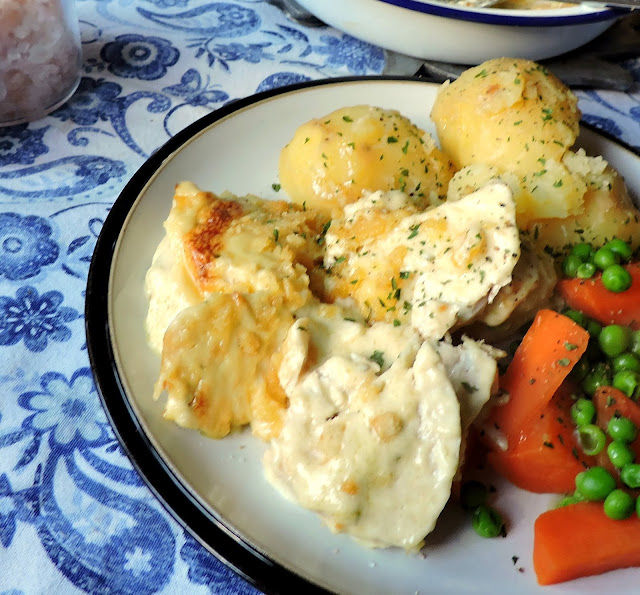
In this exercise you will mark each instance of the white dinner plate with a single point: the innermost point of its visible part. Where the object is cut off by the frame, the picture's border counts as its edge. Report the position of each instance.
(217, 489)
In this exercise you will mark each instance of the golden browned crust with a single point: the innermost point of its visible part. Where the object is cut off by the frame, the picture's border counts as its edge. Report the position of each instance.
(206, 240)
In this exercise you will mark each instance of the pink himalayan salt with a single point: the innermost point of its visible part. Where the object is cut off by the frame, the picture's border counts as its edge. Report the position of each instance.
(40, 57)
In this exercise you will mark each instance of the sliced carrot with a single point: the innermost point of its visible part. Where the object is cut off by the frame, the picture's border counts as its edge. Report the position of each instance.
(549, 350)
(541, 471)
(592, 298)
(610, 401)
(546, 459)
(580, 540)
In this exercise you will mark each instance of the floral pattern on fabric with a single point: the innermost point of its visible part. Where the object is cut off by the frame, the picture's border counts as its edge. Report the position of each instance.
(34, 319)
(70, 501)
(26, 246)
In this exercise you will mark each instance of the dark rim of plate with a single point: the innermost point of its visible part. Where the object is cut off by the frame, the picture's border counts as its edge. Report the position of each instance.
(208, 528)
(506, 17)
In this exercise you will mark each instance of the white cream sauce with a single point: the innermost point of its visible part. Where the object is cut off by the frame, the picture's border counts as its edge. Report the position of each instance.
(372, 432)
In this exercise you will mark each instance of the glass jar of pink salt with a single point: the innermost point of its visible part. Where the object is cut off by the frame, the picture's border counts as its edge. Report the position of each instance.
(40, 57)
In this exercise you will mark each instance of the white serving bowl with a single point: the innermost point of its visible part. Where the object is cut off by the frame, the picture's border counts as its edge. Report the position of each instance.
(450, 33)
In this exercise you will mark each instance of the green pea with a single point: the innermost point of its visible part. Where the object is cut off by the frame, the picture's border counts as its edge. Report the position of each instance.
(583, 412)
(595, 483)
(570, 265)
(594, 328)
(578, 496)
(622, 429)
(581, 369)
(487, 522)
(592, 439)
(587, 270)
(473, 494)
(618, 505)
(614, 339)
(604, 258)
(619, 247)
(583, 251)
(626, 361)
(616, 278)
(634, 343)
(620, 454)
(568, 500)
(577, 317)
(626, 381)
(599, 376)
(630, 475)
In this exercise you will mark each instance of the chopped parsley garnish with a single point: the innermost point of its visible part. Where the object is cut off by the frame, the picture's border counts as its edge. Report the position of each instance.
(377, 357)
(325, 229)
(414, 231)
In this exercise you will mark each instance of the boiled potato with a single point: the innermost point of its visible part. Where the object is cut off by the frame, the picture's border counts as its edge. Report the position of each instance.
(607, 210)
(473, 177)
(331, 160)
(508, 113)
(537, 194)
(516, 116)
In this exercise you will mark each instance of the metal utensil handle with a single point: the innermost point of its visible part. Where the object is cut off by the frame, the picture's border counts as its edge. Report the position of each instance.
(630, 4)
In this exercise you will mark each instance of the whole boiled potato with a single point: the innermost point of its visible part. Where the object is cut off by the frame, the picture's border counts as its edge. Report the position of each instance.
(516, 116)
(331, 160)
(607, 210)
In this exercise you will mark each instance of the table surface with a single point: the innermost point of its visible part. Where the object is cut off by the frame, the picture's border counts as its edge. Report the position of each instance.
(68, 494)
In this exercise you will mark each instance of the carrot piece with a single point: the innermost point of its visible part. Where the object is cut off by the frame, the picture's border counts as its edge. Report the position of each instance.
(547, 458)
(592, 298)
(580, 540)
(610, 401)
(549, 350)
(539, 471)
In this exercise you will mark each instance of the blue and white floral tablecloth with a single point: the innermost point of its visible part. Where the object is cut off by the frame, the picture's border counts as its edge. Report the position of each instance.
(74, 516)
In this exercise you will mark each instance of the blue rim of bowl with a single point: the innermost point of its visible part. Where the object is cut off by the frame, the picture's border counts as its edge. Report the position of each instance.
(206, 526)
(509, 17)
